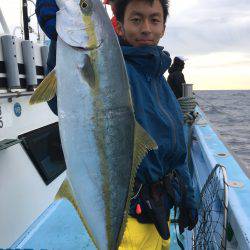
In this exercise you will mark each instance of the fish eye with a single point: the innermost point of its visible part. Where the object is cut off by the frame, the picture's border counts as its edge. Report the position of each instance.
(83, 4)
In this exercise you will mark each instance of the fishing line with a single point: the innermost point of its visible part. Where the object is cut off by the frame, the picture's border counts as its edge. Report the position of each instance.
(135, 196)
(212, 105)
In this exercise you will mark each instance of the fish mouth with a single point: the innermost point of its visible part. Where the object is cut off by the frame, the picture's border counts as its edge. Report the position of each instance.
(79, 38)
(90, 48)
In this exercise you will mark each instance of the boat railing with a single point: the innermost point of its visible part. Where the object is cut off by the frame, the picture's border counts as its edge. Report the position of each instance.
(15, 94)
(214, 152)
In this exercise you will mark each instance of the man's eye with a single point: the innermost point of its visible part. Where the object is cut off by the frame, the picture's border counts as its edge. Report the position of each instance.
(136, 20)
(155, 20)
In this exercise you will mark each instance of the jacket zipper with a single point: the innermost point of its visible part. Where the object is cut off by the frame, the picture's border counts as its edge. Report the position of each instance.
(168, 115)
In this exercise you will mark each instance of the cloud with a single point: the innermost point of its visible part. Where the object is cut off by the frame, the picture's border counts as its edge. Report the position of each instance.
(242, 63)
(209, 26)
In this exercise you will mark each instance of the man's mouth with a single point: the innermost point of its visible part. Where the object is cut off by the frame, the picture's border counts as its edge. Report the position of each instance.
(145, 41)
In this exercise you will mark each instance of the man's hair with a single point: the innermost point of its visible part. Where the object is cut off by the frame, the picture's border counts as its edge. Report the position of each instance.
(120, 7)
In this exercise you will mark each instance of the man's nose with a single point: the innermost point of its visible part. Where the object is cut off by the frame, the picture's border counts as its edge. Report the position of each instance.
(146, 27)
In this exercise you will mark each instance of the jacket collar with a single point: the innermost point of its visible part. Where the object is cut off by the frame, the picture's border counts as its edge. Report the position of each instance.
(151, 60)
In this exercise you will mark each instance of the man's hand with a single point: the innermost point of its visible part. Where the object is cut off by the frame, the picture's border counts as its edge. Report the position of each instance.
(188, 219)
(192, 218)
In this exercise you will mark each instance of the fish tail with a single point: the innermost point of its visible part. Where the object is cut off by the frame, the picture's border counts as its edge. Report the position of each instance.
(65, 191)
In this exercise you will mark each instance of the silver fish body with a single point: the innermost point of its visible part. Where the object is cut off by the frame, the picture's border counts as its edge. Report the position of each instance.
(96, 119)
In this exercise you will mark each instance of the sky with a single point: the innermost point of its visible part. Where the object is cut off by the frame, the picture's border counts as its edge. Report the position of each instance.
(214, 36)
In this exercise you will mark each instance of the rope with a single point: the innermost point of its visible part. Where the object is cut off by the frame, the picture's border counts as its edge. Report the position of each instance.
(188, 105)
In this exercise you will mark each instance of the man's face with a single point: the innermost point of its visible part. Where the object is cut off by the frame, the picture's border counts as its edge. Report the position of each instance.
(143, 23)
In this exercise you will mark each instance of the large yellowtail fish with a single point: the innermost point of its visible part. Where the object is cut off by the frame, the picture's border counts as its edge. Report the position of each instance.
(102, 143)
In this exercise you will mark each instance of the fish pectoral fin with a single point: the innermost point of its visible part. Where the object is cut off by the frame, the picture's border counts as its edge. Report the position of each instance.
(46, 89)
(143, 143)
(88, 72)
(66, 191)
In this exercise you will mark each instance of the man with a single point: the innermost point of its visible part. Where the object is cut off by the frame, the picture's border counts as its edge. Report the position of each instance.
(176, 78)
(141, 24)
(163, 174)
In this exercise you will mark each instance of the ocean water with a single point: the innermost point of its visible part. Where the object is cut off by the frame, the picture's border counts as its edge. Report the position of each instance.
(229, 113)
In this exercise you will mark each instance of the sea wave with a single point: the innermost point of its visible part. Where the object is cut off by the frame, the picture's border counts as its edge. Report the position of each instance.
(229, 112)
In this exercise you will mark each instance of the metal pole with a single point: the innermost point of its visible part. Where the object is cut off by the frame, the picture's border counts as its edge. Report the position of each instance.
(187, 90)
(3, 23)
(187, 93)
(15, 94)
(25, 20)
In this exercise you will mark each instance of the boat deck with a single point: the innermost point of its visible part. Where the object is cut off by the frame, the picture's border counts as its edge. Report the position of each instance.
(59, 227)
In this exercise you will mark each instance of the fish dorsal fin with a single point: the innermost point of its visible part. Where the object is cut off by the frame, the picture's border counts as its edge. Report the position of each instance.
(46, 89)
(88, 72)
(143, 143)
(65, 191)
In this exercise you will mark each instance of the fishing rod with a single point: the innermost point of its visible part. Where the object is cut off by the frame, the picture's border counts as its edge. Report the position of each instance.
(25, 20)
(26, 29)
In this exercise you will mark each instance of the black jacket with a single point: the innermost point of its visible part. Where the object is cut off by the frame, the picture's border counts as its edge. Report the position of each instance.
(176, 78)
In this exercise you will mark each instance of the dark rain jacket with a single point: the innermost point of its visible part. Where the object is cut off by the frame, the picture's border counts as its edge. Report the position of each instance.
(176, 79)
(158, 112)
(46, 16)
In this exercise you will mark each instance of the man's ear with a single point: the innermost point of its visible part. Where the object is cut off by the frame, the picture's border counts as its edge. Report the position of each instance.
(119, 29)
